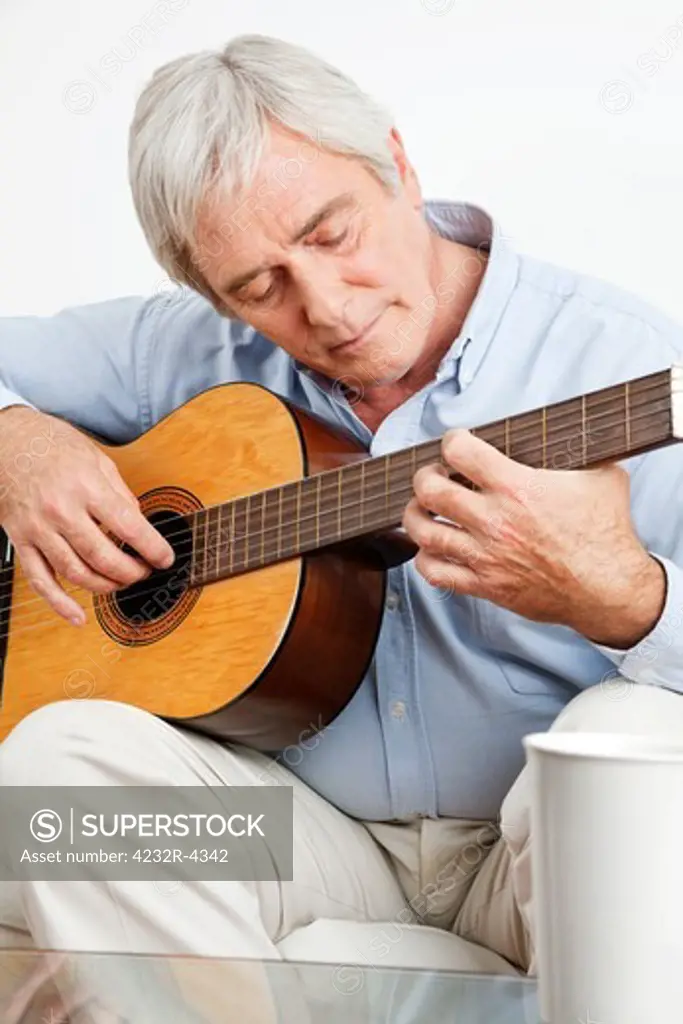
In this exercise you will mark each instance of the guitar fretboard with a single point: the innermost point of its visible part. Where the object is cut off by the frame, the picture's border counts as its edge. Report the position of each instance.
(370, 496)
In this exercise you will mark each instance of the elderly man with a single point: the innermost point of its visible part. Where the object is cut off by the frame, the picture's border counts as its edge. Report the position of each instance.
(280, 195)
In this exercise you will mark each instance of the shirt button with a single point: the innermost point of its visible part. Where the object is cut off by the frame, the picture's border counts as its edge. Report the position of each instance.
(398, 710)
(393, 600)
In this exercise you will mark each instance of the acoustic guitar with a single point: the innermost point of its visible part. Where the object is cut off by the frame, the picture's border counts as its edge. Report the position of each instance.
(283, 529)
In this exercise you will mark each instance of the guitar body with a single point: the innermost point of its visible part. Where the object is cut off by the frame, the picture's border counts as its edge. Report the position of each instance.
(263, 658)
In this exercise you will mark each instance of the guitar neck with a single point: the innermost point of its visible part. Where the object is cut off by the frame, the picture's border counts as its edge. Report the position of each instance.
(370, 496)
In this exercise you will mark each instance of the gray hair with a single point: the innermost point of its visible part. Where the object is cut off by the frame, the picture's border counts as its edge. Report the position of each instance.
(200, 128)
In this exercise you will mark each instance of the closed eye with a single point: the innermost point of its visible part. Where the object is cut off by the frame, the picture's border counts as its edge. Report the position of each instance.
(329, 243)
(255, 300)
(268, 294)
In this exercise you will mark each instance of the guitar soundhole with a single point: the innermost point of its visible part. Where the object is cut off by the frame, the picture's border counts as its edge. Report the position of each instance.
(153, 608)
(158, 594)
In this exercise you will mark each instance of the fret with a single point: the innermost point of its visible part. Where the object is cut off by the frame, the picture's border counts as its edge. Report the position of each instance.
(592, 435)
(556, 455)
(544, 443)
(510, 438)
(605, 423)
(264, 498)
(627, 416)
(387, 487)
(231, 556)
(297, 517)
(373, 495)
(507, 436)
(198, 535)
(247, 531)
(207, 543)
(327, 520)
(351, 508)
(210, 547)
(584, 431)
(339, 503)
(318, 492)
(524, 439)
(279, 521)
(361, 494)
(289, 518)
(219, 540)
(308, 508)
(240, 548)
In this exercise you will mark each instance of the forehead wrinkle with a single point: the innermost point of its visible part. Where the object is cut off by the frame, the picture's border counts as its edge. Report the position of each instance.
(340, 202)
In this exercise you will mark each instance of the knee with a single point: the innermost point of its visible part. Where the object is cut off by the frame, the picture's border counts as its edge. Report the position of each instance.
(618, 705)
(68, 742)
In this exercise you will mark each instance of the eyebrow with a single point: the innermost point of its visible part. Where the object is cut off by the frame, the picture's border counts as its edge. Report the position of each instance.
(341, 202)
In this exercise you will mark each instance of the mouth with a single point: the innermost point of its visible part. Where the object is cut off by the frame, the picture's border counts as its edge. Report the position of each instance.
(358, 341)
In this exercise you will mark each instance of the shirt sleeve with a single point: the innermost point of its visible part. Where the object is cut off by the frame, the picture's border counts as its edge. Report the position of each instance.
(656, 487)
(658, 658)
(87, 364)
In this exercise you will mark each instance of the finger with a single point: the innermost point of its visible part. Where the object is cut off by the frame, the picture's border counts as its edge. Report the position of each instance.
(481, 463)
(68, 563)
(439, 494)
(42, 580)
(125, 520)
(447, 575)
(103, 555)
(442, 540)
(113, 476)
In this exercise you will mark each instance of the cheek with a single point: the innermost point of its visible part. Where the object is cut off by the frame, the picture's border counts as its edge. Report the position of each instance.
(389, 257)
(408, 268)
(281, 325)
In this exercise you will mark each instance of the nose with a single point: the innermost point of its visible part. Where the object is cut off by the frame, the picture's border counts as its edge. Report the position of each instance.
(324, 297)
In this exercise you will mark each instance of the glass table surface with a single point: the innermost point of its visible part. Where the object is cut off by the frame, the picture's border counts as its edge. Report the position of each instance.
(70, 988)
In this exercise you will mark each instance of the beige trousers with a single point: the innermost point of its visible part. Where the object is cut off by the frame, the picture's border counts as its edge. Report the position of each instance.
(472, 877)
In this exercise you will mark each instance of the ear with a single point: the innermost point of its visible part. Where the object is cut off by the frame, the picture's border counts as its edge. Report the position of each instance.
(407, 175)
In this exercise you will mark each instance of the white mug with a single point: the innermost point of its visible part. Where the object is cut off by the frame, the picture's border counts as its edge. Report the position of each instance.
(607, 877)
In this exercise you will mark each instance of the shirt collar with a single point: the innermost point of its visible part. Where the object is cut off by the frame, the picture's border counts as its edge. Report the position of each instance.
(470, 225)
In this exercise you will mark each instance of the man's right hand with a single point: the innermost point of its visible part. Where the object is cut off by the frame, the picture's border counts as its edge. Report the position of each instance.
(56, 488)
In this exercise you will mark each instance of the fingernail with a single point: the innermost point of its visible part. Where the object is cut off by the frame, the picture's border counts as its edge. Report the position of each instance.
(77, 620)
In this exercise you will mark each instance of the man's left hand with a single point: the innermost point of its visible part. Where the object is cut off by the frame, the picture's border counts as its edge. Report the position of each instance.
(553, 546)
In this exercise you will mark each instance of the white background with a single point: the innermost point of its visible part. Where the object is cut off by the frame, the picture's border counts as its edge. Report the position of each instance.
(564, 120)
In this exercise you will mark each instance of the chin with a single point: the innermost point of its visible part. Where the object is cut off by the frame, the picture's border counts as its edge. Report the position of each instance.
(382, 374)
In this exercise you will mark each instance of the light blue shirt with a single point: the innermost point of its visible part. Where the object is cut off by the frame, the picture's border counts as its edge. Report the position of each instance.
(436, 727)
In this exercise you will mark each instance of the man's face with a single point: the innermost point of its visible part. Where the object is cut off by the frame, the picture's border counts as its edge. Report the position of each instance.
(324, 261)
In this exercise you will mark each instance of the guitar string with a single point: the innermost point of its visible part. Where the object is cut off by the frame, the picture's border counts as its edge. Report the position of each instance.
(650, 384)
(378, 473)
(257, 535)
(367, 527)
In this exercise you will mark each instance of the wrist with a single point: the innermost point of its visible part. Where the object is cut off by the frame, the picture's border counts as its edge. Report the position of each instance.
(624, 623)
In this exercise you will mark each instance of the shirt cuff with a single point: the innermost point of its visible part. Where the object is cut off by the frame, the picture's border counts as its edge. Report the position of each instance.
(658, 658)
